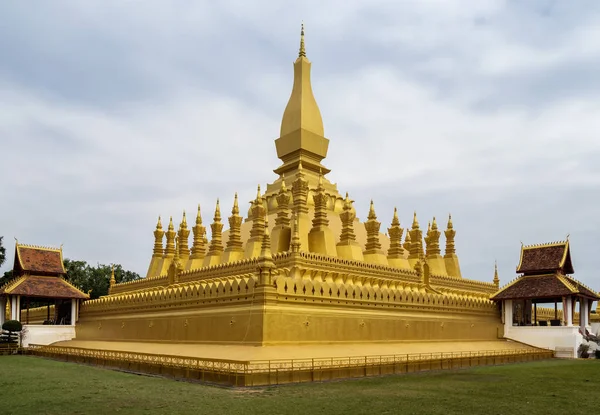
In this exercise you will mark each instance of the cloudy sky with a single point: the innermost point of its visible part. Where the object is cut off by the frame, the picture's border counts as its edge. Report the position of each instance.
(112, 112)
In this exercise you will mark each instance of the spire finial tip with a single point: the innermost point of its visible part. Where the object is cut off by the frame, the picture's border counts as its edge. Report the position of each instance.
(302, 52)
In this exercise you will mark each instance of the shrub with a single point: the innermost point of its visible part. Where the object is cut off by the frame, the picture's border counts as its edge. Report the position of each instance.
(597, 353)
(12, 326)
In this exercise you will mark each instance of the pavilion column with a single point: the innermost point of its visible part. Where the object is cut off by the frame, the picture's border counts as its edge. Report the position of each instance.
(568, 312)
(583, 313)
(15, 308)
(508, 315)
(2, 310)
(73, 311)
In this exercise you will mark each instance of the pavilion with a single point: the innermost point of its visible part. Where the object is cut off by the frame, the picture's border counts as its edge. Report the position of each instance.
(546, 279)
(39, 279)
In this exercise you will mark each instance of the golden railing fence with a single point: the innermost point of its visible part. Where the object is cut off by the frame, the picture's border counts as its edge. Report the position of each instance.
(282, 371)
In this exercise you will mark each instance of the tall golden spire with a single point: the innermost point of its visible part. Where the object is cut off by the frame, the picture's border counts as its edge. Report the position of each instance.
(283, 207)
(170, 247)
(348, 247)
(266, 265)
(234, 250)
(265, 252)
(158, 237)
(215, 249)
(183, 237)
(321, 238)
(373, 252)
(280, 241)
(257, 215)
(216, 244)
(407, 242)
(416, 242)
(433, 247)
(450, 258)
(395, 231)
(450, 233)
(302, 134)
(198, 246)
(347, 218)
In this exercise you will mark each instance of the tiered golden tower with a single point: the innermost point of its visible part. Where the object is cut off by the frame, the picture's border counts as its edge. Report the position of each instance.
(300, 256)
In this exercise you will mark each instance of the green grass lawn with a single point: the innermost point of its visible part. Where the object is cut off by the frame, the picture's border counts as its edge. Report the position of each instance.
(30, 385)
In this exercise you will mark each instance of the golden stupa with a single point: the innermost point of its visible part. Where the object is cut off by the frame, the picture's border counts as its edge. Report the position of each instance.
(301, 269)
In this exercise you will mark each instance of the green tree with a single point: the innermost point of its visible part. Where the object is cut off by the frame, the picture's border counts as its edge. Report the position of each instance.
(8, 275)
(96, 279)
(2, 252)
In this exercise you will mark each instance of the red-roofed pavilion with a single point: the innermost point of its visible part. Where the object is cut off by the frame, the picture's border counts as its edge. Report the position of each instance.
(39, 275)
(545, 278)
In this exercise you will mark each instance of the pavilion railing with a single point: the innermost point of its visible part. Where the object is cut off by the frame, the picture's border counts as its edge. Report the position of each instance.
(281, 371)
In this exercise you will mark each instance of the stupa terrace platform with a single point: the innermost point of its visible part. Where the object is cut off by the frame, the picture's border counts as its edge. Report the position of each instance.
(242, 366)
(317, 351)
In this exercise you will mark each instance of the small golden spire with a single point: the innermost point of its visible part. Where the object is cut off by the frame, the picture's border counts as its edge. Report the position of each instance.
(199, 216)
(217, 217)
(216, 244)
(496, 279)
(113, 281)
(258, 195)
(199, 247)
(347, 202)
(434, 225)
(415, 224)
(236, 208)
(283, 188)
(170, 246)
(373, 245)
(183, 221)
(158, 237)
(302, 52)
(372, 214)
(450, 234)
(266, 242)
(395, 219)
(407, 239)
(183, 250)
(395, 232)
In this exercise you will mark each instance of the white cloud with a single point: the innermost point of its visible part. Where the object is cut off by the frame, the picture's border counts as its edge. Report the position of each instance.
(201, 125)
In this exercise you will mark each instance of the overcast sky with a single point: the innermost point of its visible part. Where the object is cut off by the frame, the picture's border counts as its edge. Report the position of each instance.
(112, 112)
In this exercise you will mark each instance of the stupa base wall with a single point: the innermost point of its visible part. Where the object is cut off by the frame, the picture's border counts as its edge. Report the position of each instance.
(289, 323)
